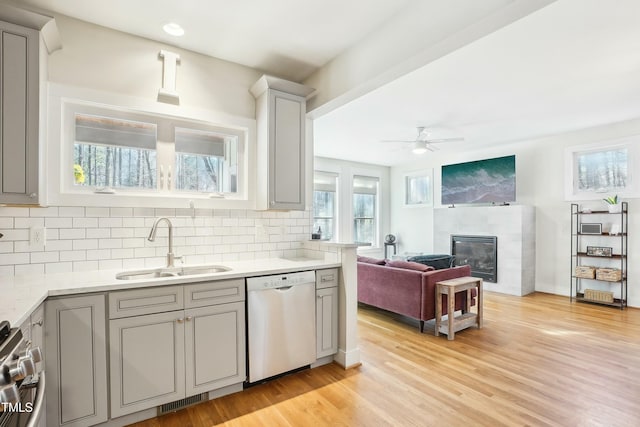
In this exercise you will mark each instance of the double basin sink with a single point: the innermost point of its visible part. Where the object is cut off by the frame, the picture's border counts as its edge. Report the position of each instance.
(157, 273)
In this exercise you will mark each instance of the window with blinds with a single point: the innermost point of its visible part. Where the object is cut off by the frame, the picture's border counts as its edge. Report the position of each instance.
(118, 150)
(365, 208)
(325, 204)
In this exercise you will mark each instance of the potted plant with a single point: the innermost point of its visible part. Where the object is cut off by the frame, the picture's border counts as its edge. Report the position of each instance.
(614, 204)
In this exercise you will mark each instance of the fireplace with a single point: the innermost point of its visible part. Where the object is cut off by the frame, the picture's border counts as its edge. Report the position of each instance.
(480, 252)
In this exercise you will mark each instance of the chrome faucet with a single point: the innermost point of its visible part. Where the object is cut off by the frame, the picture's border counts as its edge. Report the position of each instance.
(152, 236)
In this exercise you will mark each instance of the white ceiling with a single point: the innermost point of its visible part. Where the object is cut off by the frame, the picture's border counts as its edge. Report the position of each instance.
(570, 65)
(285, 38)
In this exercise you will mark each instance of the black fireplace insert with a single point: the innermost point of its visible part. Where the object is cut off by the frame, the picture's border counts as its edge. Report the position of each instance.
(479, 252)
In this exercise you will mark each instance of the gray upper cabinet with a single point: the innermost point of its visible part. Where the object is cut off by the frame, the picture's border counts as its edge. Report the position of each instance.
(280, 117)
(19, 114)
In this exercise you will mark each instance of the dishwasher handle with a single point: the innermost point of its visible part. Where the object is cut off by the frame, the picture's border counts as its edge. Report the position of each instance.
(284, 288)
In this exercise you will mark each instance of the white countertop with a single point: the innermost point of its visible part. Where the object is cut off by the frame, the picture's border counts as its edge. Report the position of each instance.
(22, 294)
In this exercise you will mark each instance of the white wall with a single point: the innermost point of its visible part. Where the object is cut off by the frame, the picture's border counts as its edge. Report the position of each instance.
(540, 182)
(111, 61)
(81, 238)
(346, 171)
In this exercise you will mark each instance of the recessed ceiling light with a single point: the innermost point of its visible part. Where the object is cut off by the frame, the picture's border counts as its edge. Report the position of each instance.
(173, 29)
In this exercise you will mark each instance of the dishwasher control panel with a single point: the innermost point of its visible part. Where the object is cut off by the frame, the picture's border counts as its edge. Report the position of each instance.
(280, 280)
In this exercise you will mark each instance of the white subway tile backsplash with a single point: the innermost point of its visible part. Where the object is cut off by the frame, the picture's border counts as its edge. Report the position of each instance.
(57, 222)
(44, 212)
(13, 212)
(86, 265)
(143, 212)
(71, 233)
(15, 234)
(122, 232)
(21, 246)
(29, 269)
(85, 222)
(85, 244)
(109, 243)
(41, 257)
(7, 270)
(58, 267)
(98, 233)
(128, 212)
(28, 222)
(73, 256)
(89, 238)
(14, 259)
(58, 245)
(109, 222)
(71, 211)
(98, 254)
(97, 212)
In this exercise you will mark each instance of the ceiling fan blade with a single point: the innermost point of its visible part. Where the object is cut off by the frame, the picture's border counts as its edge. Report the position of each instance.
(398, 140)
(438, 141)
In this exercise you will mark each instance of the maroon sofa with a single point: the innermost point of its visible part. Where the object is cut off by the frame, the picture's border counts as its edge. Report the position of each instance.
(407, 291)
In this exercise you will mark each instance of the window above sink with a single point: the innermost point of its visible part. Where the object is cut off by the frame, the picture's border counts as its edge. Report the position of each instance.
(138, 157)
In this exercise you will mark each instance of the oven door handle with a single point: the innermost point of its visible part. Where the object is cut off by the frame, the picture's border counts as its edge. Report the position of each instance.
(36, 413)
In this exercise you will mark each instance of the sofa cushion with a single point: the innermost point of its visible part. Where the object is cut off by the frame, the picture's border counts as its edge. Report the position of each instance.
(409, 265)
(437, 261)
(370, 260)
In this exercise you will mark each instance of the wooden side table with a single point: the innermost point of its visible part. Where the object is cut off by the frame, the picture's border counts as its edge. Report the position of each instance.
(450, 288)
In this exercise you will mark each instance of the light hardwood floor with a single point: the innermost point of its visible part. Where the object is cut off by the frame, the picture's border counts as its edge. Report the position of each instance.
(539, 360)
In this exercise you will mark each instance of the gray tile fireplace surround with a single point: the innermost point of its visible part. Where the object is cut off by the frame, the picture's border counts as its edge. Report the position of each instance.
(514, 226)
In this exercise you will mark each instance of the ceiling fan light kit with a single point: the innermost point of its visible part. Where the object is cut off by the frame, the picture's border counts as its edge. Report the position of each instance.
(423, 143)
(419, 147)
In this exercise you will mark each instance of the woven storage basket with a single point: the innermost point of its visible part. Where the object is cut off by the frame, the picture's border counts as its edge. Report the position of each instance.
(585, 272)
(602, 296)
(609, 274)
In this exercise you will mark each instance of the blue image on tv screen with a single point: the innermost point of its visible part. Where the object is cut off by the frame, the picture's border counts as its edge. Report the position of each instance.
(480, 181)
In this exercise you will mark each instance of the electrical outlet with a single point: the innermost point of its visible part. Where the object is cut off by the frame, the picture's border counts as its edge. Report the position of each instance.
(37, 236)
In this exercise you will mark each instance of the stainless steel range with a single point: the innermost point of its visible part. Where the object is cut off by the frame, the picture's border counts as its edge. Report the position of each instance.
(22, 381)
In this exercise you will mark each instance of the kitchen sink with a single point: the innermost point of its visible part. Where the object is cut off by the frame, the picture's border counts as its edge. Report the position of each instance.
(158, 273)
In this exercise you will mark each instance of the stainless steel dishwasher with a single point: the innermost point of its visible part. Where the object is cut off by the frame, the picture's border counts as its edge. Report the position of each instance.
(281, 312)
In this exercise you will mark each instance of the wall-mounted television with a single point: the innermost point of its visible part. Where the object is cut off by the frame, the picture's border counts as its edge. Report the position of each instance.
(480, 181)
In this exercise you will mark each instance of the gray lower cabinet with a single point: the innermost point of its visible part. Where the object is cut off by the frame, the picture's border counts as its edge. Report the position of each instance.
(326, 312)
(214, 347)
(147, 361)
(163, 357)
(76, 361)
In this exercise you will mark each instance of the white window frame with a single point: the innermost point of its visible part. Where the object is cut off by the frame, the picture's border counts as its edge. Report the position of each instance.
(336, 204)
(632, 190)
(63, 102)
(376, 243)
(428, 174)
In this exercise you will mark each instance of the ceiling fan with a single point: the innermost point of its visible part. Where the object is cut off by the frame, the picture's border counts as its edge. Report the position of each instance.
(422, 143)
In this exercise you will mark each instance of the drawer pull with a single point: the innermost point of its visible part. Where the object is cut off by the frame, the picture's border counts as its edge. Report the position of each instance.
(327, 278)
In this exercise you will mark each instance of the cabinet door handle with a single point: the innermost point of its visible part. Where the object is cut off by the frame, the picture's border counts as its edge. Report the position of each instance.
(189, 318)
(33, 195)
(38, 322)
(180, 320)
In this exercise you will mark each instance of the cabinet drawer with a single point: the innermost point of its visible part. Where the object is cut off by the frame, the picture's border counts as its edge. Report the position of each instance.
(145, 301)
(212, 293)
(326, 278)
